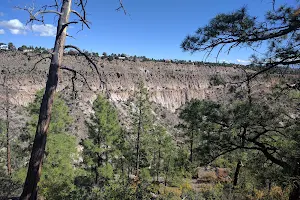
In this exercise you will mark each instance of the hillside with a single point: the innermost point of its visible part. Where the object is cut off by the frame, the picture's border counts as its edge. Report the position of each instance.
(170, 85)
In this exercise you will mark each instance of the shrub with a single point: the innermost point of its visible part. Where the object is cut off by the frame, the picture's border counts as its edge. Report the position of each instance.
(216, 80)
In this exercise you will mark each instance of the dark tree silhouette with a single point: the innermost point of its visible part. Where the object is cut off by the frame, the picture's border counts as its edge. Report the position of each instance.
(280, 31)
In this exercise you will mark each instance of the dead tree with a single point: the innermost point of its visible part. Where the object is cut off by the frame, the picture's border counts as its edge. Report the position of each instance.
(62, 9)
(8, 154)
(39, 144)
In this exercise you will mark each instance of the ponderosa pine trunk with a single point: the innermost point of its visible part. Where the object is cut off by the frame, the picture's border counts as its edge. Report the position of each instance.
(8, 151)
(8, 154)
(295, 193)
(158, 163)
(137, 167)
(191, 146)
(236, 173)
(35, 164)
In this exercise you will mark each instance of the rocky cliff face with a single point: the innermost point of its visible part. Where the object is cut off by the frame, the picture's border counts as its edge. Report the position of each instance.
(170, 85)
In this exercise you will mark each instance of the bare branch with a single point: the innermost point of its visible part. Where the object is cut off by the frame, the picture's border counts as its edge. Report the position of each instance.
(275, 64)
(70, 36)
(213, 158)
(34, 16)
(55, 5)
(219, 52)
(82, 18)
(45, 12)
(67, 24)
(83, 7)
(74, 75)
(121, 7)
(44, 58)
(89, 59)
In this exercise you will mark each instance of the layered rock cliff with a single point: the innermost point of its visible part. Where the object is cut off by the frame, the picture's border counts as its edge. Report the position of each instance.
(170, 85)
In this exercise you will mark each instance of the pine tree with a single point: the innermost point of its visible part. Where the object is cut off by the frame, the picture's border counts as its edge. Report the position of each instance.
(279, 31)
(161, 152)
(191, 115)
(100, 149)
(142, 120)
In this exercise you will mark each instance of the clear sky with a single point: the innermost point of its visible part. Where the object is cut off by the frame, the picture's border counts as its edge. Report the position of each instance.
(152, 28)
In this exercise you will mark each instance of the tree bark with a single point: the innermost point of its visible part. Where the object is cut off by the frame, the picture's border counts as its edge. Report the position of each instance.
(8, 151)
(35, 164)
(295, 193)
(158, 163)
(236, 173)
(138, 138)
(137, 167)
(8, 140)
(154, 163)
(166, 172)
(191, 146)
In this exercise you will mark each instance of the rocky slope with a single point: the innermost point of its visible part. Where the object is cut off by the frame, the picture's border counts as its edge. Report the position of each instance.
(170, 85)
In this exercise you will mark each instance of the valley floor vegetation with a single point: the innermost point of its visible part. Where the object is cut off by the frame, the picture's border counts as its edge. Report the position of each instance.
(245, 149)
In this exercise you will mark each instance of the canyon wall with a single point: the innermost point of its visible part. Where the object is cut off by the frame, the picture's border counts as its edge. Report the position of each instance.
(170, 85)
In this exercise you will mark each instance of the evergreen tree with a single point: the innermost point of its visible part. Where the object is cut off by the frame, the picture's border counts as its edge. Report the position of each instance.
(57, 180)
(161, 152)
(7, 186)
(142, 120)
(100, 149)
(279, 31)
(191, 114)
(261, 130)
(11, 46)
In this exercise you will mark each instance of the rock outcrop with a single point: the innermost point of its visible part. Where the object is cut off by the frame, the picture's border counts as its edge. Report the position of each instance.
(170, 85)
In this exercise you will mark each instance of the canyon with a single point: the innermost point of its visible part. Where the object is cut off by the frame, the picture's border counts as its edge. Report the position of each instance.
(170, 85)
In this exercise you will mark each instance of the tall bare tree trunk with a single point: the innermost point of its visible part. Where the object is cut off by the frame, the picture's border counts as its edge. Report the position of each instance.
(7, 134)
(8, 152)
(137, 167)
(191, 146)
(158, 164)
(39, 144)
(140, 124)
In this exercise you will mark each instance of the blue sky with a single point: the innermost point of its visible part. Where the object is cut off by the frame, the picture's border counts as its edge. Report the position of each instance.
(153, 28)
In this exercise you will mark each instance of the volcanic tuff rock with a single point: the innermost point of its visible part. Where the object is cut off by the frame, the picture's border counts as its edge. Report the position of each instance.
(170, 85)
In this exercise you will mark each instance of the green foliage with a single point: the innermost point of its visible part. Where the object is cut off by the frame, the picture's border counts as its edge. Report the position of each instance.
(60, 118)
(258, 133)
(193, 115)
(57, 180)
(8, 186)
(161, 154)
(110, 58)
(58, 170)
(216, 80)
(104, 136)
(142, 124)
(145, 174)
(104, 156)
(106, 171)
(11, 46)
(141, 110)
(2, 144)
(279, 31)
